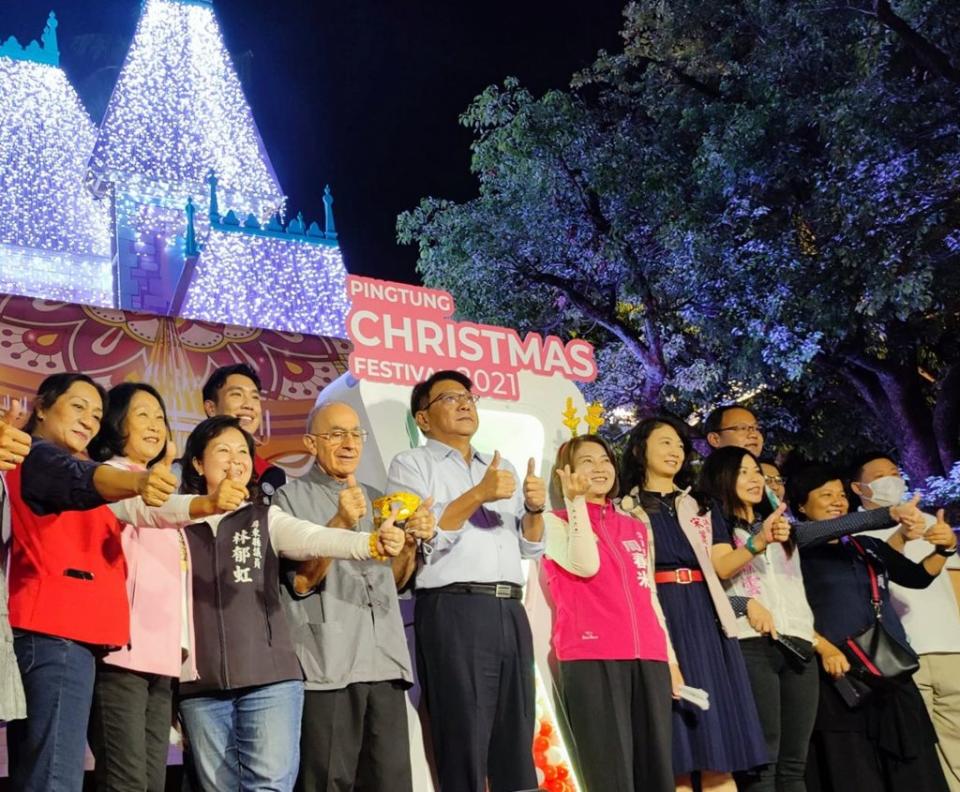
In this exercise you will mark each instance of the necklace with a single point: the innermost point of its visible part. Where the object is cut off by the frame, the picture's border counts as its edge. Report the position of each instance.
(666, 502)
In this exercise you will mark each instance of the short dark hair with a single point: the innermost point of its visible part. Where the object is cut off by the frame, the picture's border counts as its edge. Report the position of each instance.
(714, 421)
(52, 388)
(805, 481)
(633, 464)
(862, 460)
(565, 456)
(191, 482)
(420, 396)
(211, 388)
(110, 440)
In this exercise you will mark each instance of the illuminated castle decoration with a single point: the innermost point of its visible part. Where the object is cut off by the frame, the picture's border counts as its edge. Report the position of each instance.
(177, 115)
(55, 238)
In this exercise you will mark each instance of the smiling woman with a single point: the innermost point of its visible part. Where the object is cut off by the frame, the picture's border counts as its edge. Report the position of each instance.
(132, 698)
(703, 629)
(68, 599)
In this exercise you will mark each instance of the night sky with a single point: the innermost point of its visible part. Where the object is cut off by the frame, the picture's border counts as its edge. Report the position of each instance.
(359, 94)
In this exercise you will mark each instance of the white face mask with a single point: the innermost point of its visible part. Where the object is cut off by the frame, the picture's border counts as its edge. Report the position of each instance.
(886, 491)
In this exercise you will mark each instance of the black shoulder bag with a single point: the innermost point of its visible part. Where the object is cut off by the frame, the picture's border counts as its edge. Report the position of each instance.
(875, 655)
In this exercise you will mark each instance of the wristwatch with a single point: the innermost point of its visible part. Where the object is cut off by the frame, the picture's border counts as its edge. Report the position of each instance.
(945, 552)
(528, 510)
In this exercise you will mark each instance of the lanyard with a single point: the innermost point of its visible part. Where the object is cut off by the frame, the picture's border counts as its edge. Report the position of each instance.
(874, 587)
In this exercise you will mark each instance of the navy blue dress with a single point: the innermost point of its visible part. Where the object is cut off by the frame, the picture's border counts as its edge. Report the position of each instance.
(727, 737)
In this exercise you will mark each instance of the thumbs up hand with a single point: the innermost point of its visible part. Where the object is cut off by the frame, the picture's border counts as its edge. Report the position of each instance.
(352, 504)
(14, 444)
(157, 484)
(776, 528)
(941, 534)
(496, 484)
(534, 489)
(229, 495)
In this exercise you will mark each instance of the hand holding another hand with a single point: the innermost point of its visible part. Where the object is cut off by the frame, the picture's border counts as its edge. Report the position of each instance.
(422, 524)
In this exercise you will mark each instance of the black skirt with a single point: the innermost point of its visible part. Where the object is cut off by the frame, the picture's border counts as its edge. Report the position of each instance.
(888, 744)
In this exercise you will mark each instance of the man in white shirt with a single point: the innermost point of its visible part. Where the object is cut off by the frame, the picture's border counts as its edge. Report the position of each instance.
(930, 616)
(473, 641)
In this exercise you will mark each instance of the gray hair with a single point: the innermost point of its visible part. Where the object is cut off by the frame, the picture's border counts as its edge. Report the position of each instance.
(320, 407)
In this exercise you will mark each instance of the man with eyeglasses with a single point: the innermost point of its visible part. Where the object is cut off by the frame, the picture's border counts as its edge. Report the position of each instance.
(733, 425)
(346, 623)
(473, 642)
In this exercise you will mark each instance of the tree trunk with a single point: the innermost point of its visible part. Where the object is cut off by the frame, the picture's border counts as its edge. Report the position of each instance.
(894, 397)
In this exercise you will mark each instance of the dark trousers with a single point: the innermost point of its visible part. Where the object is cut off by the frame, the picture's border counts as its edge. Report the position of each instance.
(475, 665)
(355, 738)
(130, 729)
(787, 694)
(47, 749)
(620, 715)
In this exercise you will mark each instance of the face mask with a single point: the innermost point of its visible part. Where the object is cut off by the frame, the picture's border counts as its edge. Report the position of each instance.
(887, 490)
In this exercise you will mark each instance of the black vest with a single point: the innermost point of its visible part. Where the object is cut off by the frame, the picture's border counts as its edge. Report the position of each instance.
(241, 632)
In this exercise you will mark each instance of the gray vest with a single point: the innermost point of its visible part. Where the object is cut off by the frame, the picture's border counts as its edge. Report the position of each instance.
(349, 629)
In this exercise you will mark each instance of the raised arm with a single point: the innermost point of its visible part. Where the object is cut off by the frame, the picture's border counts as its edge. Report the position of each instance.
(811, 534)
(300, 540)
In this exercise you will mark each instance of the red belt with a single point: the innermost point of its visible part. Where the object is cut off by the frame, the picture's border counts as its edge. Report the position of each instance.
(682, 576)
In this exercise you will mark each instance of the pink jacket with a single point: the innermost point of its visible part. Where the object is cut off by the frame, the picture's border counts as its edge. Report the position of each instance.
(606, 610)
(154, 590)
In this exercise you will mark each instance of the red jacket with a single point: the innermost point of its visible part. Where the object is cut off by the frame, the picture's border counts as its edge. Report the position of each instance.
(67, 573)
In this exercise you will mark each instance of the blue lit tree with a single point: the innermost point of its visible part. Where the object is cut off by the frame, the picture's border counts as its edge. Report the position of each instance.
(749, 198)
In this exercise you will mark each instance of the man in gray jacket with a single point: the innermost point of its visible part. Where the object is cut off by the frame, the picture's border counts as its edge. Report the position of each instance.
(346, 623)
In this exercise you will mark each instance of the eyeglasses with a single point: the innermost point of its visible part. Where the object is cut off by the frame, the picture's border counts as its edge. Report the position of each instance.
(745, 428)
(338, 436)
(453, 398)
(775, 480)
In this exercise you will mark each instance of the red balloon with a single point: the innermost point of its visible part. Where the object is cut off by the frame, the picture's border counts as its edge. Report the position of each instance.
(545, 728)
(541, 744)
(540, 759)
(550, 773)
(563, 772)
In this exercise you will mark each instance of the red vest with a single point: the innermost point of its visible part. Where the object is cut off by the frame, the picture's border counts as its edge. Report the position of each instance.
(67, 574)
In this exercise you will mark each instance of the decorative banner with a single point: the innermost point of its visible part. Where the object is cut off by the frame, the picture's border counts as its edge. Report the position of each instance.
(40, 337)
(401, 334)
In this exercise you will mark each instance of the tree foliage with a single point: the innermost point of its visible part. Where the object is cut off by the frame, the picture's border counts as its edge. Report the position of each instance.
(752, 198)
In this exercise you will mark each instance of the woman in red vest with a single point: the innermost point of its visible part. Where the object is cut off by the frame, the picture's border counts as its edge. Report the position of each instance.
(67, 574)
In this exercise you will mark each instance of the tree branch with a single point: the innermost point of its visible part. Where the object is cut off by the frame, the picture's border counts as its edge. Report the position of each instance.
(932, 57)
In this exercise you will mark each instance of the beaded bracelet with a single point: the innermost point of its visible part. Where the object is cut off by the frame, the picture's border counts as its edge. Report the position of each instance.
(375, 553)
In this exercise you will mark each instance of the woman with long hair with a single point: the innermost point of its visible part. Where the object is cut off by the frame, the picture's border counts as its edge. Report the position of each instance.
(726, 737)
(763, 577)
(609, 634)
(241, 710)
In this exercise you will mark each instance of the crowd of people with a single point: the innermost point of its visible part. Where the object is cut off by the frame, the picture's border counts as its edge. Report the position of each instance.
(715, 625)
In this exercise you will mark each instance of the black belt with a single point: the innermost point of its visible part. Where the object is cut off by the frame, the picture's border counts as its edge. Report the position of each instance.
(499, 590)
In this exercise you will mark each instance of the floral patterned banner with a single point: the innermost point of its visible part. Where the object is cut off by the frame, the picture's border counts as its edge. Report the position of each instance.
(39, 337)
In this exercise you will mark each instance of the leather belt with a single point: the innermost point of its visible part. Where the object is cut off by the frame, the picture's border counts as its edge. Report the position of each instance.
(498, 590)
(683, 576)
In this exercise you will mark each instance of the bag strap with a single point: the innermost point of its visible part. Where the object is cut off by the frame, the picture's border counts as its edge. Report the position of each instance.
(874, 587)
